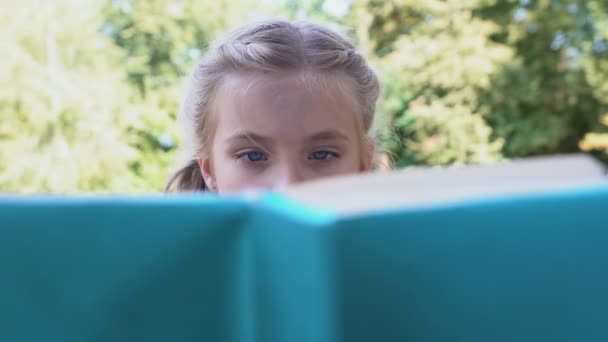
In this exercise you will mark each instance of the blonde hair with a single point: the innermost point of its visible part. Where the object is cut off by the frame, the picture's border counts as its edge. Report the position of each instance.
(268, 47)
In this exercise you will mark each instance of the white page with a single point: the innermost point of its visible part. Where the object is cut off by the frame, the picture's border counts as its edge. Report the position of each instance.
(428, 186)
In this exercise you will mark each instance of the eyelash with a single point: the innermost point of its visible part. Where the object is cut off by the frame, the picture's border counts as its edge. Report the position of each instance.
(328, 155)
(263, 157)
(248, 154)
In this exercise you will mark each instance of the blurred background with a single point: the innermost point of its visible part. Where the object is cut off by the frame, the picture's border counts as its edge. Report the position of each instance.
(90, 89)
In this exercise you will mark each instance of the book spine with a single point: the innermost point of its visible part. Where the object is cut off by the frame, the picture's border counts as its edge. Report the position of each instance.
(291, 273)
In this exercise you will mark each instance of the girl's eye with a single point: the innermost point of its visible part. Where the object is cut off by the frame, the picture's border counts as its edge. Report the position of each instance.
(322, 155)
(254, 156)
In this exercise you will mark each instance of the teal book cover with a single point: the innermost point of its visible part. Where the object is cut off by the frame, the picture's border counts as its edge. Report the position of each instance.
(516, 267)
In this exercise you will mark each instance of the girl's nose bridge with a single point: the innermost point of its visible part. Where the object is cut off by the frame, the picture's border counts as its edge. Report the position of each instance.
(290, 171)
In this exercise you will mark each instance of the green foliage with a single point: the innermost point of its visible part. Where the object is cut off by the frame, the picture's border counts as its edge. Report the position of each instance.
(528, 76)
(441, 135)
(542, 102)
(163, 38)
(63, 124)
(438, 66)
(596, 72)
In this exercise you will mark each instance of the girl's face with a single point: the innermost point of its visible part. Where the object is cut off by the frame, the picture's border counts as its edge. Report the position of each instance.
(273, 131)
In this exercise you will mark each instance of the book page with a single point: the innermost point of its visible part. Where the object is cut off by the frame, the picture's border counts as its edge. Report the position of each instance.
(422, 186)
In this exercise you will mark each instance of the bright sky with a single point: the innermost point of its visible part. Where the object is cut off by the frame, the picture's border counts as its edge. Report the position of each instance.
(336, 7)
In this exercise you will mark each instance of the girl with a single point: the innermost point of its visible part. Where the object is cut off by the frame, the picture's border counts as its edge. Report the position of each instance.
(274, 104)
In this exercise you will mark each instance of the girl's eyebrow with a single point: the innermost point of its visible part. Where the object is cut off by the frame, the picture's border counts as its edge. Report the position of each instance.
(328, 135)
(252, 137)
(249, 137)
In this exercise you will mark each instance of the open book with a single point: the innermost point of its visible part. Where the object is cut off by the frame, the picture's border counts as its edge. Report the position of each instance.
(423, 186)
(509, 252)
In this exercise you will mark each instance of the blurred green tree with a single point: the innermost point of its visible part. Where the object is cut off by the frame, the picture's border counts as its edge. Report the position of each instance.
(545, 99)
(476, 81)
(435, 58)
(63, 120)
(596, 73)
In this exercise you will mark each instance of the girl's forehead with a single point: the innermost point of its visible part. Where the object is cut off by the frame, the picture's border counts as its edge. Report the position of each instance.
(286, 103)
(311, 83)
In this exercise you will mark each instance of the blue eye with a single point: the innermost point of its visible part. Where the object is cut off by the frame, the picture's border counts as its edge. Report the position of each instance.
(254, 156)
(321, 155)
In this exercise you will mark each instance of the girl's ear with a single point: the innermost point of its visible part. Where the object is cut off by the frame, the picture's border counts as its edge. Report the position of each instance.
(207, 172)
(368, 159)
